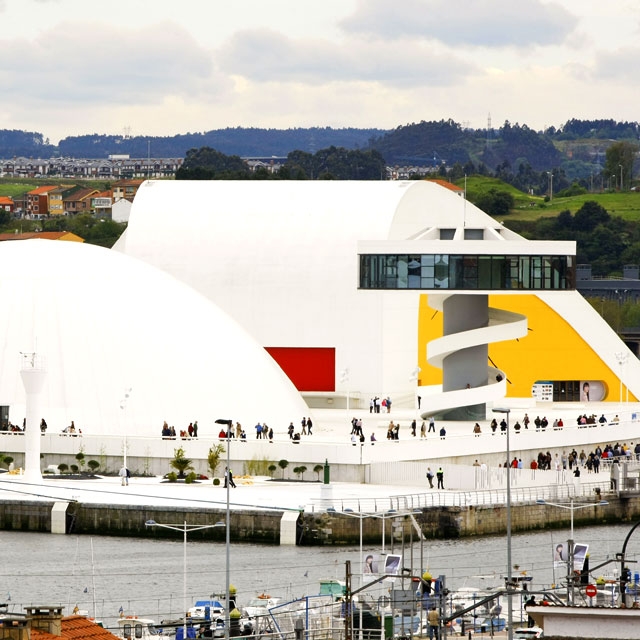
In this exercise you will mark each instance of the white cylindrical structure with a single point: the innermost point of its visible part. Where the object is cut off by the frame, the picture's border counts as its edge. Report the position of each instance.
(33, 376)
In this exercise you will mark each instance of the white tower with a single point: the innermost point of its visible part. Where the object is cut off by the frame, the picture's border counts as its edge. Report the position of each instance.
(33, 376)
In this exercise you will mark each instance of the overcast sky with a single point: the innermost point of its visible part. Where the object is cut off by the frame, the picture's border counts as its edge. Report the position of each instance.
(172, 66)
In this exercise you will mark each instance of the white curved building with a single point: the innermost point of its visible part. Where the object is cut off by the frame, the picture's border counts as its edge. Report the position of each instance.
(104, 323)
(331, 276)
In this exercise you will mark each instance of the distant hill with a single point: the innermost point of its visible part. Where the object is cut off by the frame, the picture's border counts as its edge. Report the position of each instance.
(578, 147)
(237, 141)
(431, 143)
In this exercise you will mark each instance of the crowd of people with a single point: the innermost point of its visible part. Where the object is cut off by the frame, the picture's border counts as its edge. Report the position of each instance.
(376, 404)
(573, 460)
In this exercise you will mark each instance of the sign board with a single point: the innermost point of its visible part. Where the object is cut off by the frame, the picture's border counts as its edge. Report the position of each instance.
(542, 391)
(591, 590)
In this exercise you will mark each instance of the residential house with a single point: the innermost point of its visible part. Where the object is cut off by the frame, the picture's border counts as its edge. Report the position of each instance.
(101, 204)
(41, 235)
(78, 201)
(126, 189)
(7, 204)
(38, 202)
(121, 210)
(56, 199)
(48, 623)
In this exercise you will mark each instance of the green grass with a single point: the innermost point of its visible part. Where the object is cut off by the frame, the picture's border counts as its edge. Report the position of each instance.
(21, 185)
(13, 190)
(625, 204)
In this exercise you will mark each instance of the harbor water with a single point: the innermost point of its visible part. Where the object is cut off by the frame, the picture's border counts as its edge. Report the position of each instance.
(144, 577)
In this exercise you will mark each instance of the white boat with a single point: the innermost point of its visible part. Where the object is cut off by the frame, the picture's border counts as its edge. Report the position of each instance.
(260, 605)
(134, 627)
(199, 610)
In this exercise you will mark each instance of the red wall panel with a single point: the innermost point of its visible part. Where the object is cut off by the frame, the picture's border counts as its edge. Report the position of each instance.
(309, 368)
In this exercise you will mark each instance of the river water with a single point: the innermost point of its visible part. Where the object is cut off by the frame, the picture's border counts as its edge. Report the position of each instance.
(145, 576)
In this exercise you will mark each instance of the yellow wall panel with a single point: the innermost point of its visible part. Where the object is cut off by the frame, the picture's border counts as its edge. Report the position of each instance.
(552, 350)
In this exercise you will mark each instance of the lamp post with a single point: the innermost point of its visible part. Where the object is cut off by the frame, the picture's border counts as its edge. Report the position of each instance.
(509, 576)
(185, 528)
(413, 377)
(123, 406)
(571, 508)
(344, 379)
(620, 176)
(229, 424)
(621, 357)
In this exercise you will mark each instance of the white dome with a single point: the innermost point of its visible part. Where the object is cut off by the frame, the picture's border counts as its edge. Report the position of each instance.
(105, 322)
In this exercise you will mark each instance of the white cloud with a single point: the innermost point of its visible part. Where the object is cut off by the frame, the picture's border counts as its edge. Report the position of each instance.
(619, 66)
(82, 63)
(485, 23)
(264, 55)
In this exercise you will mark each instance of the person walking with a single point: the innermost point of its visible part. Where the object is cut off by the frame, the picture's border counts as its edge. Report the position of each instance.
(304, 426)
(440, 476)
(414, 424)
(228, 478)
(309, 425)
(290, 430)
(124, 474)
(432, 425)
(430, 477)
(433, 618)
(423, 430)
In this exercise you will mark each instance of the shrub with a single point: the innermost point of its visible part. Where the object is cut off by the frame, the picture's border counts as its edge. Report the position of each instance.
(216, 481)
(93, 465)
(62, 467)
(190, 477)
(7, 460)
(258, 466)
(180, 463)
(172, 476)
(75, 468)
(213, 458)
(272, 468)
(283, 464)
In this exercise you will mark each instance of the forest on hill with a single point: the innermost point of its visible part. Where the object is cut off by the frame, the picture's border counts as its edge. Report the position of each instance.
(577, 147)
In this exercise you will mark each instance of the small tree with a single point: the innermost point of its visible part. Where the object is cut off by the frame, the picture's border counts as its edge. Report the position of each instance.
(283, 464)
(296, 470)
(75, 468)
(180, 463)
(93, 465)
(301, 471)
(272, 468)
(80, 458)
(317, 469)
(213, 458)
(62, 467)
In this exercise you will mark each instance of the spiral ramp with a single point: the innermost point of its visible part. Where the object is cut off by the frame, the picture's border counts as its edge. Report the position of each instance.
(498, 325)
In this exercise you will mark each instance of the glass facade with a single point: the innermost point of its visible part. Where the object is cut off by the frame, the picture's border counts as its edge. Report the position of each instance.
(444, 271)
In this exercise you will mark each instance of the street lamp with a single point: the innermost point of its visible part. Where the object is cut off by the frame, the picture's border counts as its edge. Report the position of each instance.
(621, 357)
(229, 424)
(344, 379)
(185, 528)
(620, 176)
(572, 508)
(509, 576)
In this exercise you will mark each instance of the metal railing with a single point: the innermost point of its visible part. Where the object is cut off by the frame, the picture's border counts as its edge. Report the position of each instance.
(486, 497)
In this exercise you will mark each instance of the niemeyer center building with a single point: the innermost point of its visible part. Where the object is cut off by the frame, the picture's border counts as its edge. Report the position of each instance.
(352, 286)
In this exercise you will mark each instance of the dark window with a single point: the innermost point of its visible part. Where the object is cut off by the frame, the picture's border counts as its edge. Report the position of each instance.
(466, 272)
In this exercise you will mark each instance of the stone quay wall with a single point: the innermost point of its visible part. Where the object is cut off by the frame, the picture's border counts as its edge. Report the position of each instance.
(314, 528)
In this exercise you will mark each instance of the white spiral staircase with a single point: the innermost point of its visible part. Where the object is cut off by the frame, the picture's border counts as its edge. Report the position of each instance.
(503, 325)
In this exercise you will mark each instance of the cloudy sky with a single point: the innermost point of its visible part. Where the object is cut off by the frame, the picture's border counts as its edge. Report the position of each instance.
(171, 66)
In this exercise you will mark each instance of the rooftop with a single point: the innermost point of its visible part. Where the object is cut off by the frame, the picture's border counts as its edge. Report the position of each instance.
(76, 628)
